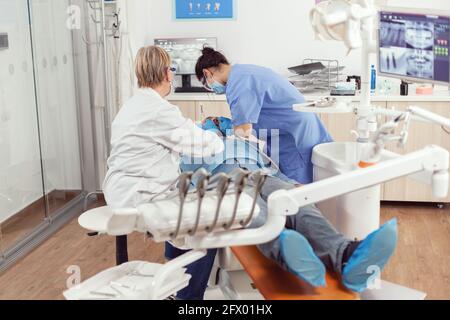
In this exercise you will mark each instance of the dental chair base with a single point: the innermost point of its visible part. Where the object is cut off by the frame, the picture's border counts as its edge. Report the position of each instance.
(390, 291)
(237, 285)
(230, 278)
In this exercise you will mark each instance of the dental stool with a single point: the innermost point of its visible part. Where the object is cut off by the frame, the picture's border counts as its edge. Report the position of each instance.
(97, 220)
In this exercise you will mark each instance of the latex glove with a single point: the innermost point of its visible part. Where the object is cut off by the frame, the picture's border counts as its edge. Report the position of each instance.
(226, 126)
(209, 125)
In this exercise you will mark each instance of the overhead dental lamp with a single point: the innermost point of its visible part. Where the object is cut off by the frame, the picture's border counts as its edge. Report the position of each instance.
(343, 20)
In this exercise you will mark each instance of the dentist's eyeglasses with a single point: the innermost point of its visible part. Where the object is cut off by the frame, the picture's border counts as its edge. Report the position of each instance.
(173, 69)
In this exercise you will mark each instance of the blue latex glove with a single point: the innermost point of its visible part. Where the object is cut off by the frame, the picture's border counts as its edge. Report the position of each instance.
(226, 126)
(300, 258)
(209, 125)
(374, 251)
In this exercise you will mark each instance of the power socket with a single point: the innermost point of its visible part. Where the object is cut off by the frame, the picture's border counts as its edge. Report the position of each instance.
(4, 41)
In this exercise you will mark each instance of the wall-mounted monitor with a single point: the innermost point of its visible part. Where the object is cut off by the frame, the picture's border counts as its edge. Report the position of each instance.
(184, 53)
(414, 46)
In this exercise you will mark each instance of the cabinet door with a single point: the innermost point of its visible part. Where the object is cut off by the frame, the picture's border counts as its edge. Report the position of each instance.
(207, 109)
(340, 126)
(187, 108)
(420, 135)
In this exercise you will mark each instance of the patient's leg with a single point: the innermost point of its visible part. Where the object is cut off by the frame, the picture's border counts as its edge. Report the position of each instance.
(328, 244)
(350, 259)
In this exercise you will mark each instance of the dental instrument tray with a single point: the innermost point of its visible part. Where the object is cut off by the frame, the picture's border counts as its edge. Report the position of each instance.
(216, 204)
(134, 280)
(307, 68)
(316, 75)
(160, 218)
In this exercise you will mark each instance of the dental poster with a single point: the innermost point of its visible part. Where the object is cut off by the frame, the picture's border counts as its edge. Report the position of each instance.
(204, 9)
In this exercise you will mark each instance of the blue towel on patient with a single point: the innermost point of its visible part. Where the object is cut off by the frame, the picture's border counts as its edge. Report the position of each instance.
(243, 152)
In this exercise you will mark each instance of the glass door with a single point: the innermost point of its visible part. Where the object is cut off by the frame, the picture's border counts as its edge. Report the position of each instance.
(40, 156)
(22, 205)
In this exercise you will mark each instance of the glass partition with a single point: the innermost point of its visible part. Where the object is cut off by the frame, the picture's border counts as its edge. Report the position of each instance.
(57, 105)
(22, 206)
(40, 166)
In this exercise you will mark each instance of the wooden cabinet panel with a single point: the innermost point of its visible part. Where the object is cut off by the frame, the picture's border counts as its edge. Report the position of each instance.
(420, 135)
(207, 109)
(188, 108)
(340, 126)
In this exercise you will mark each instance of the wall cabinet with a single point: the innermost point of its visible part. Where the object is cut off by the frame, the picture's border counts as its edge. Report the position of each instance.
(207, 109)
(200, 110)
(187, 108)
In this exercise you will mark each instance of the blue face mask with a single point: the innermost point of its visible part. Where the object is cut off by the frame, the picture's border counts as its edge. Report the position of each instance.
(218, 88)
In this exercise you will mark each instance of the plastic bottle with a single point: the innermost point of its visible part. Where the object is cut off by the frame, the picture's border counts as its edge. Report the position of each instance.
(373, 80)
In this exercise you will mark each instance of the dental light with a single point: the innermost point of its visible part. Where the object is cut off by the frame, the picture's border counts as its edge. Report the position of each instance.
(343, 20)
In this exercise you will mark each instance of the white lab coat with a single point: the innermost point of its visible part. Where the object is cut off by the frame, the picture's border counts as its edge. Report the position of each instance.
(149, 135)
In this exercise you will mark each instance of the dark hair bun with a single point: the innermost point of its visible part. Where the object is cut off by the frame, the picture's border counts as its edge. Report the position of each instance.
(208, 50)
(210, 59)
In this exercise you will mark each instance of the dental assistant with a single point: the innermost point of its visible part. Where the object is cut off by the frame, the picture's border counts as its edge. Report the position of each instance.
(261, 103)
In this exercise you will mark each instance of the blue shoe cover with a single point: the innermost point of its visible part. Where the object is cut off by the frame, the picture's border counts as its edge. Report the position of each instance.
(374, 251)
(300, 258)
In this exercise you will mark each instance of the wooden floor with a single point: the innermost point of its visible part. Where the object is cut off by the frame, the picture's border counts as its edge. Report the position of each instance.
(26, 221)
(422, 260)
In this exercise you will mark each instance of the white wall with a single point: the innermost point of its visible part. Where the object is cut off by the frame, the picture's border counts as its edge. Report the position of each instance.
(430, 4)
(272, 33)
(276, 34)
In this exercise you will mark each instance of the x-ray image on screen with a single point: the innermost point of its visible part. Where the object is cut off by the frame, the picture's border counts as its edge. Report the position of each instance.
(185, 52)
(409, 62)
(393, 60)
(419, 35)
(392, 33)
(420, 64)
(414, 46)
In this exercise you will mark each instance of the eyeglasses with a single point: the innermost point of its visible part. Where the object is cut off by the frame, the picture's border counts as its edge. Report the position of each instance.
(173, 68)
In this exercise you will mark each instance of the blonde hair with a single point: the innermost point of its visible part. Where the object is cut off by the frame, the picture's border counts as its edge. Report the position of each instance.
(151, 66)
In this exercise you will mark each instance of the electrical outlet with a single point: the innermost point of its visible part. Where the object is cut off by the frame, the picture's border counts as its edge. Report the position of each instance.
(4, 41)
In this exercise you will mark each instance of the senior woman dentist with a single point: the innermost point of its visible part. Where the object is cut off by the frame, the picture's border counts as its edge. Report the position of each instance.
(261, 103)
(149, 136)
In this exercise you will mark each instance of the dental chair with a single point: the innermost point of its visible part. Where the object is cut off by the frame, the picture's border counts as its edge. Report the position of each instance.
(217, 217)
(200, 220)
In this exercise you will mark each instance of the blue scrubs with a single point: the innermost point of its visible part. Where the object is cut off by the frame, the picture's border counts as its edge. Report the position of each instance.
(265, 99)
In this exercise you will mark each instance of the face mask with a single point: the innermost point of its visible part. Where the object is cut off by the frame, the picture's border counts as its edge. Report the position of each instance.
(218, 88)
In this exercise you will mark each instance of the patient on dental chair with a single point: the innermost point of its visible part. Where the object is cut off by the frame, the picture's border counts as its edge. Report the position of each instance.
(310, 244)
